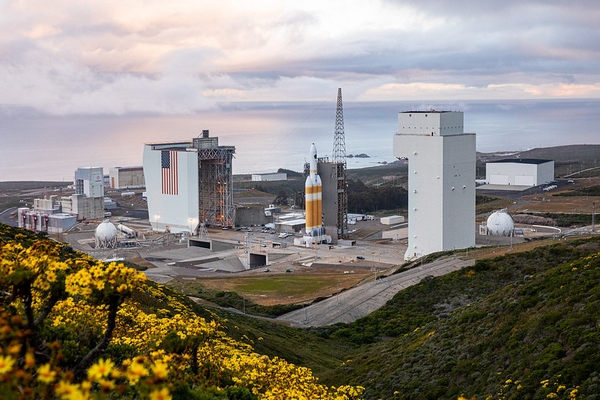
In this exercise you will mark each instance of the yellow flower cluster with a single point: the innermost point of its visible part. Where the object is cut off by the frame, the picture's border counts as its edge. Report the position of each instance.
(173, 345)
(111, 278)
(147, 331)
(276, 378)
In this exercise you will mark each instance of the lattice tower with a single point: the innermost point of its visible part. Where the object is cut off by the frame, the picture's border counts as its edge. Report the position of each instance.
(215, 198)
(339, 157)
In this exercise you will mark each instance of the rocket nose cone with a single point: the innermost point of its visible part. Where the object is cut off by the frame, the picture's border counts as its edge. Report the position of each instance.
(313, 151)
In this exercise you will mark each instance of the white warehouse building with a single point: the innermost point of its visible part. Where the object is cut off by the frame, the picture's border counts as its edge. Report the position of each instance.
(273, 176)
(519, 172)
(441, 181)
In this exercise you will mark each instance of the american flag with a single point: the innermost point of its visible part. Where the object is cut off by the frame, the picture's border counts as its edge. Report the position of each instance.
(168, 161)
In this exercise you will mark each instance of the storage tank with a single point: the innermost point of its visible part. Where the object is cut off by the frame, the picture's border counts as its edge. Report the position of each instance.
(106, 235)
(126, 230)
(500, 223)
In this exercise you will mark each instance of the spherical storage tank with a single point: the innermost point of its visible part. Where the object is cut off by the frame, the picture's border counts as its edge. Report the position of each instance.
(500, 224)
(106, 235)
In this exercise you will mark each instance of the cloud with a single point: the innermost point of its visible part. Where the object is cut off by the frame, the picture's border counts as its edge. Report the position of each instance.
(177, 57)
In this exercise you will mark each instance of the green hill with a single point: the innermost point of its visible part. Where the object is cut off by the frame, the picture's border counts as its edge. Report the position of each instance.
(522, 326)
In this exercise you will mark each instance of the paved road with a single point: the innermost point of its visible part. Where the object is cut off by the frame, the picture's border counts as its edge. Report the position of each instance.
(355, 303)
(5, 217)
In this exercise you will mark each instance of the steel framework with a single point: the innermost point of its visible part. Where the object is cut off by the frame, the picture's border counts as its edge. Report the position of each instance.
(215, 186)
(339, 158)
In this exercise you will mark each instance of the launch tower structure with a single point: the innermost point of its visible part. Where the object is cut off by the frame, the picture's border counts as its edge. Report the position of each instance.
(339, 158)
(215, 181)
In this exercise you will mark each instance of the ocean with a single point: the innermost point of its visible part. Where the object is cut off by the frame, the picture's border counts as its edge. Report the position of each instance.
(268, 136)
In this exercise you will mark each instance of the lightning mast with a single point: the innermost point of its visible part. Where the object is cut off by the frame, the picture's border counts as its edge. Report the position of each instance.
(339, 158)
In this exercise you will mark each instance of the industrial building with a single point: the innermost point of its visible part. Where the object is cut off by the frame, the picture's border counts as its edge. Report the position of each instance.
(88, 200)
(126, 178)
(46, 216)
(189, 183)
(441, 180)
(519, 172)
(57, 214)
(268, 177)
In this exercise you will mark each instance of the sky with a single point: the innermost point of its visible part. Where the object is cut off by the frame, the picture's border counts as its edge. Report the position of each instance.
(117, 57)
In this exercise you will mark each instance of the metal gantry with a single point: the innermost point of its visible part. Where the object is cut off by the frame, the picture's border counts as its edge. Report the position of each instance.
(215, 186)
(339, 158)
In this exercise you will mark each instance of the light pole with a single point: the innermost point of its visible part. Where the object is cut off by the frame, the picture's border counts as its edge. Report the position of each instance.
(593, 217)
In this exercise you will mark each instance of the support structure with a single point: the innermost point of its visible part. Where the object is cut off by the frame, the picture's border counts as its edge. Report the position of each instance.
(339, 158)
(215, 181)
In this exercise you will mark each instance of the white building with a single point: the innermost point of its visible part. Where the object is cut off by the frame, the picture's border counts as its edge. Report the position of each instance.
(126, 177)
(441, 180)
(273, 176)
(519, 172)
(89, 181)
(171, 175)
(88, 200)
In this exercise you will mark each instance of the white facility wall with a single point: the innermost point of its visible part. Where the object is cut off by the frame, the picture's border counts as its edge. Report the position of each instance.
(497, 179)
(424, 191)
(545, 173)
(179, 212)
(430, 123)
(458, 198)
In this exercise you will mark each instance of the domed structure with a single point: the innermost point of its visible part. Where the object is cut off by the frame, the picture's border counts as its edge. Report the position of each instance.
(106, 235)
(500, 224)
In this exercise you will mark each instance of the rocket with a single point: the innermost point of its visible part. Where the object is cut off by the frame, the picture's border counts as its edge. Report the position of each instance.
(314, 197)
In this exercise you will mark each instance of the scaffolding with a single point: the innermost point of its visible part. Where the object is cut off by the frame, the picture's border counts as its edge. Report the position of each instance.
(215, 181)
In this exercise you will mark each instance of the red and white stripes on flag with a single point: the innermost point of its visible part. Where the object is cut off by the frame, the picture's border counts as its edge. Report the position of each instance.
(168, 161)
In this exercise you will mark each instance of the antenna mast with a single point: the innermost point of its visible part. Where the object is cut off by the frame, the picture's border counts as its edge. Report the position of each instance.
(339, 158)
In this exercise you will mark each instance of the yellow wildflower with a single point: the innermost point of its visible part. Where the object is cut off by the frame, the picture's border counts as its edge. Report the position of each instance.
(100, 370)
(160, 370)
(162, 394)
(46, 374)
(135, 372)
(6, 363)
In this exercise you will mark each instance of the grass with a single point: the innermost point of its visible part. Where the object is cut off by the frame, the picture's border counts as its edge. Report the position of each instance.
(286, 285)
(270, 289)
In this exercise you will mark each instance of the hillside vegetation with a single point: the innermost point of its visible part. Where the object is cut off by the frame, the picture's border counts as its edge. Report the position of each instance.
(521, 326)
(72, 327)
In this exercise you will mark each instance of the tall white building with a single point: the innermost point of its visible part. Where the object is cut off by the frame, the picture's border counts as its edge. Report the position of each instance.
(171, 175)
(441, 180)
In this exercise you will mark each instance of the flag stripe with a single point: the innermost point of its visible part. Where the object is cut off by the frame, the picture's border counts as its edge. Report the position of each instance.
(169, 167)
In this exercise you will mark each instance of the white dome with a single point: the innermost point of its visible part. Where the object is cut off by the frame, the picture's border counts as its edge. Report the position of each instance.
(500, 224)
(106, 232)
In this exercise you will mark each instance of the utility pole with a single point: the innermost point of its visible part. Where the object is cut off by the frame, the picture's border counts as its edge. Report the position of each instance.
(593, 217)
